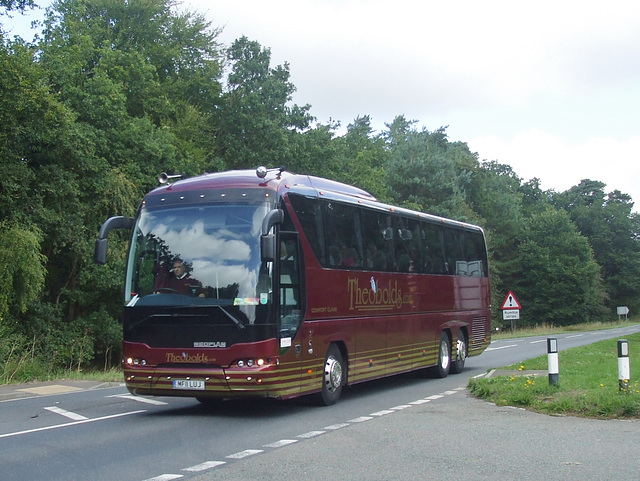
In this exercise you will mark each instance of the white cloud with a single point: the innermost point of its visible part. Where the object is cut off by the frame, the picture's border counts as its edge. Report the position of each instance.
(561, 164)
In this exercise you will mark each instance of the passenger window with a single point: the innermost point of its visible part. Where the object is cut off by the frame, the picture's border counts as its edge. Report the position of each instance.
(308, 212)
(378, 235)
(476, 253)
(433, 258)
(407, 245)
(344, 236)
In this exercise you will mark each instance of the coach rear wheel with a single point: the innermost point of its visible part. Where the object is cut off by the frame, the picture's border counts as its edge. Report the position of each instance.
(333, 376)
(444, 356)
(461, 354)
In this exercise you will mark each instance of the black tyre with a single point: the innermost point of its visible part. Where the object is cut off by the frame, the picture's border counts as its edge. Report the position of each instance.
(444, 357)
(457, 365)
(333, 377)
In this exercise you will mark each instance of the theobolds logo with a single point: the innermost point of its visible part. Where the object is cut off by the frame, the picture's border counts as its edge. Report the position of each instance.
(377, 297)
(184, 357)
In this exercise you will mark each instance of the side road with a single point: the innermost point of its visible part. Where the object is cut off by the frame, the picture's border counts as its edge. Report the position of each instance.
(458, 438)
(9, 392)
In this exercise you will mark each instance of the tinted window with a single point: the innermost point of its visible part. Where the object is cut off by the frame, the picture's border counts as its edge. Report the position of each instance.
(407, 245)
(343, 236)
(476, 252)
(378, 235)
(434, 261)
(308, 212)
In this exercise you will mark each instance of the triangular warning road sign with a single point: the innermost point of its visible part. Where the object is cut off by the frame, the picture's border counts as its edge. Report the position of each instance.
(511, 302)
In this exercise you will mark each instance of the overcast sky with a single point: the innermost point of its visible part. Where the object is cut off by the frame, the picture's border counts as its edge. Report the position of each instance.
(551, 88)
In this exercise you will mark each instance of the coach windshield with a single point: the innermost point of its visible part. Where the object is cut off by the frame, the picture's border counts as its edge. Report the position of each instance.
(200, 254)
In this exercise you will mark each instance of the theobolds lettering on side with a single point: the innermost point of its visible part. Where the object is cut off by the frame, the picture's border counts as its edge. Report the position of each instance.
(376, 297)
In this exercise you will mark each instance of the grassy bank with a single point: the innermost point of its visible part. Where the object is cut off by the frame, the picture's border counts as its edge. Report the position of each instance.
(588, 384)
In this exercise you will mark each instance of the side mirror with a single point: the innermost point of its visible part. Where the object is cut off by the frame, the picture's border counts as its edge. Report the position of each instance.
(100, 254)
(268, 248)
(268, 241)
(118, 222)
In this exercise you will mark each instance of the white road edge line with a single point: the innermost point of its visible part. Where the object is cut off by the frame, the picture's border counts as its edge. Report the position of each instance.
(501, 347)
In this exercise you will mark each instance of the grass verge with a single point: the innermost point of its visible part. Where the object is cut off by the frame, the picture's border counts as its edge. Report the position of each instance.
(588, 383)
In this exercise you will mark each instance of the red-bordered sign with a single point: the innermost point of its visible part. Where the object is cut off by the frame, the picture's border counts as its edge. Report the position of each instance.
(510, 302)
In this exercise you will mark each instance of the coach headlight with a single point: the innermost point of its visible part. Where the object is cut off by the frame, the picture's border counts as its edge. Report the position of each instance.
(134, 361)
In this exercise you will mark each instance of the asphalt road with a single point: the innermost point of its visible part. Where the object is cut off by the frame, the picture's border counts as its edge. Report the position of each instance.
(399, 428)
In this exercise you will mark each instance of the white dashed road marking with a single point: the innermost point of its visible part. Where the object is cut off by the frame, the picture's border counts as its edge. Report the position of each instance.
(145, 400)
(308, 435)
(281, 443)
(204, 466)
(66, 414)
(244, 454)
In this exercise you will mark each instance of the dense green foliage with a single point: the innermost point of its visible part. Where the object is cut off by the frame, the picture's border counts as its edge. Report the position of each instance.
(115, 92)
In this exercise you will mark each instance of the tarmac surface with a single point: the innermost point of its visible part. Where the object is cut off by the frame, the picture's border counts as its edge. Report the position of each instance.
(456, 437)
(459, 437)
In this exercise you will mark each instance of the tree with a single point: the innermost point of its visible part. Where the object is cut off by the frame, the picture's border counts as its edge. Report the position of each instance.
(256, 123)
(19, 5)
(116, 93)
(561, 281)
(143, 79)
(22, 266)
(427, 172)
(359, 159)
(608, 222)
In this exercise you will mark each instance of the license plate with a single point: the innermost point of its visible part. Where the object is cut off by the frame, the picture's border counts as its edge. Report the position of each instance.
(188, 385)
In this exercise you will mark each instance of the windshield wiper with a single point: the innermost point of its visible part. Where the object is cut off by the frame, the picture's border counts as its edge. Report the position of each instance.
(235, 320)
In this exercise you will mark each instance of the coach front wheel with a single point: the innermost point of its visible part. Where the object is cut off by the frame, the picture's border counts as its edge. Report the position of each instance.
(461, 354)
(333, 376)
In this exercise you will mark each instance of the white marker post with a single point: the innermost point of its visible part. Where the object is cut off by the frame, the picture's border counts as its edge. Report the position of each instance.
(552, 357)
(624, 373)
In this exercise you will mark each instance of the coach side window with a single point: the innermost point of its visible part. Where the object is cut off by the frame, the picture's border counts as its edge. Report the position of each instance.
(476, 253)
(343, 236)
(453, 247)
(378, 235)
(407, 245)
(309, 215)
(433, 257)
